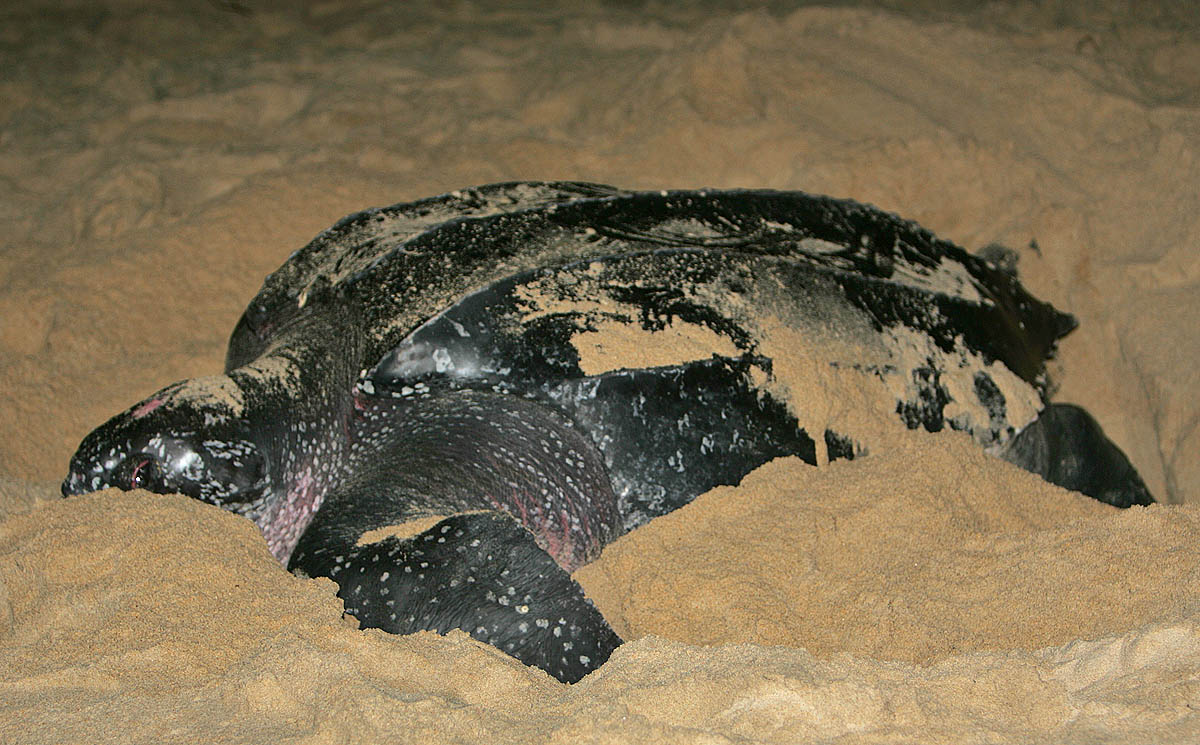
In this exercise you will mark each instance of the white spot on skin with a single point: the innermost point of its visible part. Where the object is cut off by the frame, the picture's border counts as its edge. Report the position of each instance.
(441, 360)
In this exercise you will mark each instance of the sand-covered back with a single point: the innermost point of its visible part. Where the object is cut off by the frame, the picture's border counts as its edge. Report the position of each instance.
(156, 164)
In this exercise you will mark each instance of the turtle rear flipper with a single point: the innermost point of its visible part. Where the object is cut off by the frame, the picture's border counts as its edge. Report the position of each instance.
(1067, 447)
(481, 572)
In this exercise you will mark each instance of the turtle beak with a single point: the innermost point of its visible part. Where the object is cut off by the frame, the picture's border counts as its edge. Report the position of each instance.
(87, 472)
(90, 470)
(73, 484)
(126, 452)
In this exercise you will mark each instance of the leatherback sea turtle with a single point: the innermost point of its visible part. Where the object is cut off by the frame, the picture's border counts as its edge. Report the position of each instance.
(432, 366)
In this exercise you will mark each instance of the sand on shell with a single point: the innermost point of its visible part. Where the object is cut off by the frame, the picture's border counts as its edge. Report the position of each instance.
(154, 166)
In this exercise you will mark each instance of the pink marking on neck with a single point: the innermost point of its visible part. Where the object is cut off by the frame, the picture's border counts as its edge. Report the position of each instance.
(147, 406)
(286, 523)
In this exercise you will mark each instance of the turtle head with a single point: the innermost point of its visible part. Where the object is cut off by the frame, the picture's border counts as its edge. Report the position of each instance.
(173, 446)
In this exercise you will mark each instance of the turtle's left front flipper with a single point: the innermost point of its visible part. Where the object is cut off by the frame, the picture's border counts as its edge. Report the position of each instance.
(481, 572)
(1067, 447)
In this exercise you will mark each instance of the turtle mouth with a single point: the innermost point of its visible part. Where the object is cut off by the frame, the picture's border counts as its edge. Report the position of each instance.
(78, 482)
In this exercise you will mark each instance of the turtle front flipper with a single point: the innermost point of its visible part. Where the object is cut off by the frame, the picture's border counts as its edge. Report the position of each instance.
(1067, 447)
(481, 572)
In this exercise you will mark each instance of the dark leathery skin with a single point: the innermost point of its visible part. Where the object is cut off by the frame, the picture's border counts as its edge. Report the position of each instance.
(481, 572)
(459, 451)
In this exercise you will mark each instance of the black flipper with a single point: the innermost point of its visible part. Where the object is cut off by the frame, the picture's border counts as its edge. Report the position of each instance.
(669, 434)
(1067, 447)
(481, 572)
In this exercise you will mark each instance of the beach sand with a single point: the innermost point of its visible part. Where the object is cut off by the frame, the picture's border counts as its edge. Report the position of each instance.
(155, 165)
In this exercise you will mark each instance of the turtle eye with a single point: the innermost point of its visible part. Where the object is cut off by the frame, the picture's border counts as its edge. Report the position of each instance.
(144, 474)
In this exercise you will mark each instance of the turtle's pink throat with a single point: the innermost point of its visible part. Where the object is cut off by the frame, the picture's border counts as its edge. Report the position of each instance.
(284, 523)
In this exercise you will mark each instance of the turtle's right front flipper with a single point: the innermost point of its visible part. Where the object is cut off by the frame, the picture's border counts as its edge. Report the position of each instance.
(481, 572)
